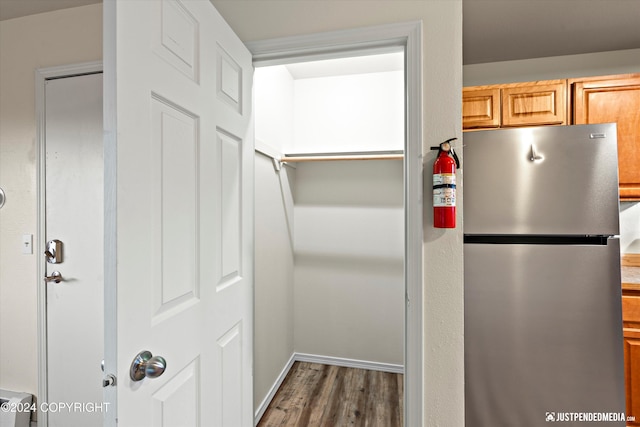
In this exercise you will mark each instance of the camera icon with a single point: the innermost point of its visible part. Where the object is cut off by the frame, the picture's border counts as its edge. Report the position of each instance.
(550, 417)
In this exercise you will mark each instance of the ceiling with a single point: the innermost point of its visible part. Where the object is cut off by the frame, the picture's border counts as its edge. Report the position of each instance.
(495, 30)
(502, 30)
(10, 9)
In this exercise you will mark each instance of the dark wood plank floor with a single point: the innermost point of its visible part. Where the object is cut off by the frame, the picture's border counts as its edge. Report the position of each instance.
(315, 395)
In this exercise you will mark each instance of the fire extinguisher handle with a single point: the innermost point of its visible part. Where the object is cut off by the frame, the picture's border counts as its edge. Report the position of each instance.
(455, 157)
(451, 150)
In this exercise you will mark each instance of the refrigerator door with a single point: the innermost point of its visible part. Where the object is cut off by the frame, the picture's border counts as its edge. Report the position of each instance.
(543, 333)
(541, 180)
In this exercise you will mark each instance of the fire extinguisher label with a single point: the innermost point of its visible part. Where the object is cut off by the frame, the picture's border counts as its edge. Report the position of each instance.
(444, 190)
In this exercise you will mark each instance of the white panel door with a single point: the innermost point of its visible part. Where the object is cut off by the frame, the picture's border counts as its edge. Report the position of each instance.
(74, 206)
(179, 161)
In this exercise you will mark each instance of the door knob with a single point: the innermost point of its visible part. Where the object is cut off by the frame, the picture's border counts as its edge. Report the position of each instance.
(56, 277)
(146, 365)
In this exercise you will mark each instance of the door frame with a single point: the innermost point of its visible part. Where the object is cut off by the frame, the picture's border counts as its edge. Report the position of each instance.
(334, 44)
(41, 77)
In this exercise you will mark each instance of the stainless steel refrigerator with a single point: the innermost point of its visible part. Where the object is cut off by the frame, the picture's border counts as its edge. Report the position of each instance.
(543, 323)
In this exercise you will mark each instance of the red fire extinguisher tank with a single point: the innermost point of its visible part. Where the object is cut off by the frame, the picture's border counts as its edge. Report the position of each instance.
(444, 187)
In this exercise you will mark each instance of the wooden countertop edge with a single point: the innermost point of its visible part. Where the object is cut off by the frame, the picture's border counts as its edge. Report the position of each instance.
(633, 287)
(630, 260)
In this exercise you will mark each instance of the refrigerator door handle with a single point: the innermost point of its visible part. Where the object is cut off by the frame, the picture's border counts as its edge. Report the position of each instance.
(534, 154)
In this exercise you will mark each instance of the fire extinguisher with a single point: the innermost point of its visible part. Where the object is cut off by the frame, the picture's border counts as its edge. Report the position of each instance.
(444, 185)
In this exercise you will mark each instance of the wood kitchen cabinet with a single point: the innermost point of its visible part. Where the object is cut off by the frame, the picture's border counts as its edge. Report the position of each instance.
(480, 108)
(515, 104)
(534, 104)
(631, 334)
(614, 99)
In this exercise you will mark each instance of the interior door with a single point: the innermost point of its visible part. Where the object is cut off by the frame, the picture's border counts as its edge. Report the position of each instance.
(74, 206)
(179, 215)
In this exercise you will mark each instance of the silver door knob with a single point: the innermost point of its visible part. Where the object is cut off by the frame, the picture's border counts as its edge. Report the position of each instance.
(56, 277)
(145, 365)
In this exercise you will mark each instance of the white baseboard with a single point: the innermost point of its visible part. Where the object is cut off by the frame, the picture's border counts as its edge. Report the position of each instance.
(325, 360)
(349, 363)
(274, 389)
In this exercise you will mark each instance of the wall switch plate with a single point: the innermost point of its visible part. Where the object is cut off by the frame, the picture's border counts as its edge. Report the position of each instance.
(27, 244)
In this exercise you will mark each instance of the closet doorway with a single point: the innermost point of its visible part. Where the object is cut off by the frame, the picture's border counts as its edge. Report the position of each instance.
(330, 215)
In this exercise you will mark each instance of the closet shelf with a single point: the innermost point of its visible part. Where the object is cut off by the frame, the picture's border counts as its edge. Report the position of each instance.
(326, 157)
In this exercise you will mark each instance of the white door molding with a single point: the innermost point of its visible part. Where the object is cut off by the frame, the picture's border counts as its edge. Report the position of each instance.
(382, 38)
(41, 77)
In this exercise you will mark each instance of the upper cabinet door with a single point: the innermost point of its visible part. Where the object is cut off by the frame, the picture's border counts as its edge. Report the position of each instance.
(616, 99)
(480, 108)
(537, 103)
(515, 105)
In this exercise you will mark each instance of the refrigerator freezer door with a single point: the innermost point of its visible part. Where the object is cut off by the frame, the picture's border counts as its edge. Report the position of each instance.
(543, 333)
(541, 180)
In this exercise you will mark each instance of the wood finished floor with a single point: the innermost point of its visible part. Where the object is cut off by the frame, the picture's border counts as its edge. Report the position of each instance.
(315, 395)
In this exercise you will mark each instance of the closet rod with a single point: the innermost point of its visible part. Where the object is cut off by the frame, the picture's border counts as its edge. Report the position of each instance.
(325, 157)
(332, 158)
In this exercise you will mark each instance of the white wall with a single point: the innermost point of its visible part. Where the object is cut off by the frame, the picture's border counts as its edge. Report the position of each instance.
(349, 260)
(274, 322)
(273, 339)
(562, 67)
(358, 112)
(556, 67)
(443, 338)
(630, 227)
(273, 94)
(49, 39)
(349, 218)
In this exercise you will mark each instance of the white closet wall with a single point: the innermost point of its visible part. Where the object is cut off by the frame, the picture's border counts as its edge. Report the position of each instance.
(358, 112)
(273, 339)
(349, 251)
(273, 93)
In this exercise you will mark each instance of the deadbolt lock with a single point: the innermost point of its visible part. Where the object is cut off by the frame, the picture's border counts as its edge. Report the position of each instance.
(53, 252)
